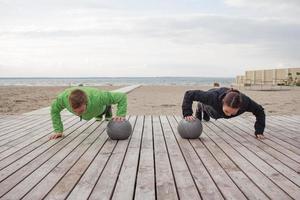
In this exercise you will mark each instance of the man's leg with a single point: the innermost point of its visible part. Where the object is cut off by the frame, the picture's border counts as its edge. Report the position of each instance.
(205, 113)
(99, 117)
(199, 111)
(108, 113)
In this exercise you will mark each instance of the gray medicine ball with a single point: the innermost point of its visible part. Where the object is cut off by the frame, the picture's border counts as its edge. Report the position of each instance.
(190, 129)
(119, 130)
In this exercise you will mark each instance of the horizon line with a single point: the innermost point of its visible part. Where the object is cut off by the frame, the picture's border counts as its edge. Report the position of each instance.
(82, 77)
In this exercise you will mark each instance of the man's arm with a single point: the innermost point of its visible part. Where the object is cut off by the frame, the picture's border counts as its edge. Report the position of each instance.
(56, 107)
(120, 99)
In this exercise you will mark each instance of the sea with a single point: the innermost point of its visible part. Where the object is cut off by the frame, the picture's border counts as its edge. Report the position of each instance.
(100, 81)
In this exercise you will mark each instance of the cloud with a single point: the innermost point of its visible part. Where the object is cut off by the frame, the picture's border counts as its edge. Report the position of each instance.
(98, 37)
(183, 29)
(265, 3)
(288, 9)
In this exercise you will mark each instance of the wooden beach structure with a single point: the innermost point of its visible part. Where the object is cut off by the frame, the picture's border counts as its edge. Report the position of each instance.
(226, 162)
(268, 79)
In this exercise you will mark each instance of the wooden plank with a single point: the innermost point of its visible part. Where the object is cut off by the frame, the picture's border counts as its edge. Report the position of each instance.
(23, 187)
(220, 150)
(291, 118)
(272, 131)
(90, 177)
(276, 126)
(20, 150)
(17, 125)
(18, 170)
(28, 129)
(87, 182)
(290, 121)
(41, 111)
(16, 118)
(253, 145)
(127, 89)
(46, 112)
(278, 138)
(291, 190)
(22, 123)
(244, 183)
(225, 184)
(76, 159)
(107, 181)
(125, 185)
(205, 184)
(69, 180)
(281, 149)
(284, 125)
(155, 163)
(145, 183)
(284, 122)
(10, 120)
(184, 182)
(7, 117)
(292, 134)
(270, 150)
(24, 133)
(41, 130)
(165, 183)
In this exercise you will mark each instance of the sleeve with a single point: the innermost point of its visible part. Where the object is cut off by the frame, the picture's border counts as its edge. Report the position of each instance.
(195, 95)
(120, 99)
(56, 107)
(259, 113)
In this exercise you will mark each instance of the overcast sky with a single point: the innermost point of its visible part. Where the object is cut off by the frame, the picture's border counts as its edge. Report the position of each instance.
(210, 38)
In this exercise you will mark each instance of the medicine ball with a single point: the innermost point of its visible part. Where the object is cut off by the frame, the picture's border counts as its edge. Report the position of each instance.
(190, 129)
(119, 130)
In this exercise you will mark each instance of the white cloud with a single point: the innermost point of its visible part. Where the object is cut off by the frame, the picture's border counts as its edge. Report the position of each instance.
(264, 3)
(96, 39)
(189, 29)
(283, 9)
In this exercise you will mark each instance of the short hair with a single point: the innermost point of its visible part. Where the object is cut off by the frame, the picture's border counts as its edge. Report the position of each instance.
(77, 98)
(233, 98)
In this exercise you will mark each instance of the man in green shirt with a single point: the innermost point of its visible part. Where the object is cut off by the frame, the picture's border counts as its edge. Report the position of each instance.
(87, 103)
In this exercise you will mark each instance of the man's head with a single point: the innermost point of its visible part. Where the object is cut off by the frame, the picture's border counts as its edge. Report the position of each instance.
(78, 101)
(232, 102)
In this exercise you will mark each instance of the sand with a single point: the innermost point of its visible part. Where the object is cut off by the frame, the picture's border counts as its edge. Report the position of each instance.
(21, 99)
(146, 100)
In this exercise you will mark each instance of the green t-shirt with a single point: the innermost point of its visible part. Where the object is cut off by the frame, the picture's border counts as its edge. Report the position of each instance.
(97, 100)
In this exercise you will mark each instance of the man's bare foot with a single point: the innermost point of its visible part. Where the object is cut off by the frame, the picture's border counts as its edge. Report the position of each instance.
(260, 136)
(56, 135)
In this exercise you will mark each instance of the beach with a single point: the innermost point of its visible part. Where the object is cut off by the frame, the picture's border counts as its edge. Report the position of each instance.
(146, 100)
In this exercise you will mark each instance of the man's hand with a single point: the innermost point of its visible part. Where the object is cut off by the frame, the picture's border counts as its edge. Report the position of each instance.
(56, 135)
(189, 118)
(260, 136)
(119, 119)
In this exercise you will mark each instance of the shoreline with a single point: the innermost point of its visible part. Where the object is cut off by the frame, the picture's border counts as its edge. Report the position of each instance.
(114, 81)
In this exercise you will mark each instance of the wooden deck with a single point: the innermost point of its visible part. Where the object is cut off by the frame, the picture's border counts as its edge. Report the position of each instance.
(227, 162)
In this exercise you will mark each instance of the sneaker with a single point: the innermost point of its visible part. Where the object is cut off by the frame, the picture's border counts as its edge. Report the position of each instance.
(99, 117)
(108, 118)
(108, 113)
(199, 111)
